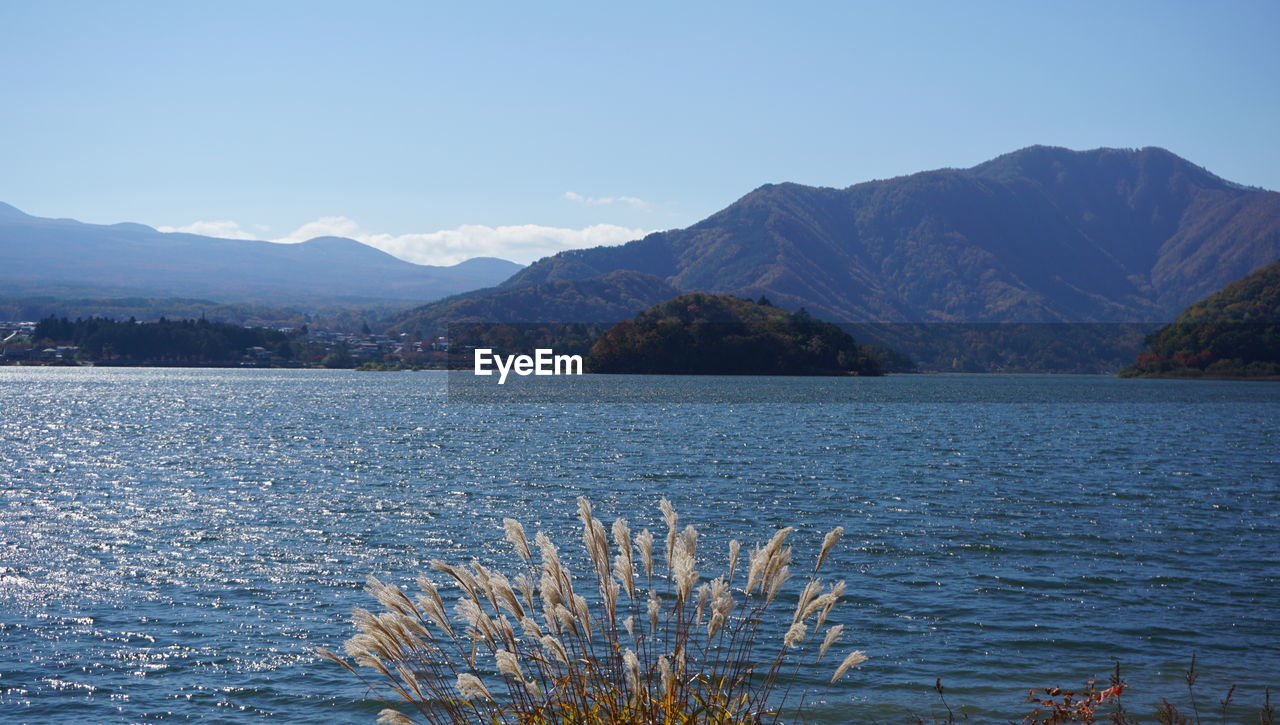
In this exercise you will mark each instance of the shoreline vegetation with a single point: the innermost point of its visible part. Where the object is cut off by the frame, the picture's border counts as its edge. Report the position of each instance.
(1234, 334)
(646, 637)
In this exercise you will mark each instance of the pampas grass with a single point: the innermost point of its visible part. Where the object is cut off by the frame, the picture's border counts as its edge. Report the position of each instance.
(628, 641)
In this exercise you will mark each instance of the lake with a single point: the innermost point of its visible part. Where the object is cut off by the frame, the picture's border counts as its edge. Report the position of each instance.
(174, 542)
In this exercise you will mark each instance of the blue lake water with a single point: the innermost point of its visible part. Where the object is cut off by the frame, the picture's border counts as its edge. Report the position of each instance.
(174, 542)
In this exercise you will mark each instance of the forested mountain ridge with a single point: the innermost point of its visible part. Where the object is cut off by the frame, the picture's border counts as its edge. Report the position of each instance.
(1038, 235)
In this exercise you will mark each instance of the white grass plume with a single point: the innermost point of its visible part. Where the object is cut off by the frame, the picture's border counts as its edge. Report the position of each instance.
(684, 645)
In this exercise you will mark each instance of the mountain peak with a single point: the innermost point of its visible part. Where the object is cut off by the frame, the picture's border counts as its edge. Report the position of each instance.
(331, 241)
(1056, 164)
(344, 250)
(1043, 233)
(490, 265)
(133, 227)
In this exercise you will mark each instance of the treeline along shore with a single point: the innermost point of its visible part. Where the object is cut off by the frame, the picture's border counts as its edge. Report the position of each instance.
(1233, 333)
(195, 343)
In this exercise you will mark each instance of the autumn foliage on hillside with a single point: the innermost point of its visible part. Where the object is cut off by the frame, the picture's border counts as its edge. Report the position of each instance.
(1233, 333)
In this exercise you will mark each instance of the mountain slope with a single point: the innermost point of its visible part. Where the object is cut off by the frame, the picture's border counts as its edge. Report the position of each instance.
(604, 298)
(40, 255)
(1041, 234)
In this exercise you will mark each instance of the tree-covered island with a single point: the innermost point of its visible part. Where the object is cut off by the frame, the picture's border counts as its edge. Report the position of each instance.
(704, 334)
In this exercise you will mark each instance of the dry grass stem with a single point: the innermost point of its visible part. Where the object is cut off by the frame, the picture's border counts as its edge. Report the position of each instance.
(679, 648)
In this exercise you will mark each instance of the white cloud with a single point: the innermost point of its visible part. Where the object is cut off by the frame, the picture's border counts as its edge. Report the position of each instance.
(630, 201)
(521, 243)
(224, 229)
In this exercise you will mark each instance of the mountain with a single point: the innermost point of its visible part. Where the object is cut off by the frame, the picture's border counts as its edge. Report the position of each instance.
(604, 298)
(1233, 333)
(67, 257)
(1038, 235)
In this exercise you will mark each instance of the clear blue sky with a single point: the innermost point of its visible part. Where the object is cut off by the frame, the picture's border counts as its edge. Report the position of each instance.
(439, 129)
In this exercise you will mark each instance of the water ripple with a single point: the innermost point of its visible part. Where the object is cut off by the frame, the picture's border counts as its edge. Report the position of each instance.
(174, 542)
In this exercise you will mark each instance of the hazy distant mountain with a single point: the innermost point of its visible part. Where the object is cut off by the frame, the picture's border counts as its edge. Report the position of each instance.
(1041, 234)
(63, 256)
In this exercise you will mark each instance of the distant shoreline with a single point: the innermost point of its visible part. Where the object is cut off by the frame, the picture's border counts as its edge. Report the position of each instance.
(445, 368)
(1222, 378)
(442, 368)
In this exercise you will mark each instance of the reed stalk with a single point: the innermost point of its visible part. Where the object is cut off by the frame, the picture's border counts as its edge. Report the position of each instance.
(630, 640)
